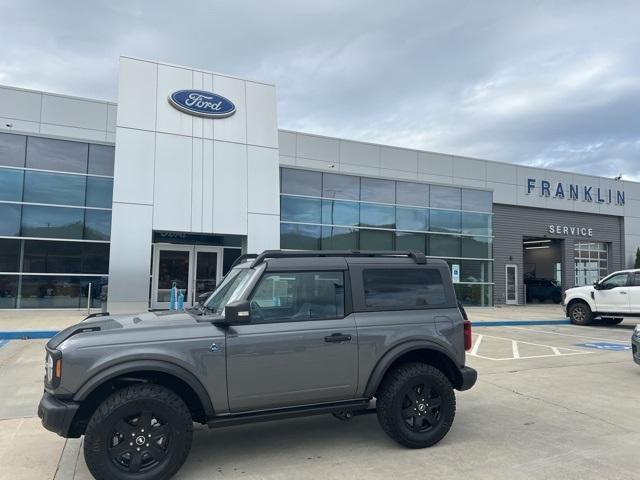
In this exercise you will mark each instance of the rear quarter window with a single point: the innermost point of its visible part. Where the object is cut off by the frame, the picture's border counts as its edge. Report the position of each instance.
(389, 288)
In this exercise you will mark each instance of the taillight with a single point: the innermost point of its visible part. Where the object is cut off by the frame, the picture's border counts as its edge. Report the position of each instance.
(468, 341)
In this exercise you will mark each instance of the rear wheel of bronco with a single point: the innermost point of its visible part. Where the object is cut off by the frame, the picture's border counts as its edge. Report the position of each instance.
(580, 313)
(416, 405)
(140, 432)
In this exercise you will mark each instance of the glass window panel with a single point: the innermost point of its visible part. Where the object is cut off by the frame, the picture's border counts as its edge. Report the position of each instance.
(477, 200)
(376, 240)
(10, 219)
(339, 238)
(298, 296)
(377, 190)
(411, 241)
(412, 194)
(65, 257)
(475, 271)
(229, 256)
(412, 218)
(476, 247)
(444, 246)
(381, 216)
(299, 209)
(60, 291)
(474, 295)
(62, 155)
(445, 197)
(476, 223)
(444, 221)
(11, 181)
(52, 222)
(99, 192)
(55, 188)
(299, 237)
(9, 255)
(335, 212)
(344, 187)
(101, 159)
(403, 288)
(301, 182)
(97, 225)
(12, 149)
(8, 291)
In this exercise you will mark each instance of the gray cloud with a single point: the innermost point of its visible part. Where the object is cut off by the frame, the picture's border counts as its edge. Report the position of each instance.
(554, 84)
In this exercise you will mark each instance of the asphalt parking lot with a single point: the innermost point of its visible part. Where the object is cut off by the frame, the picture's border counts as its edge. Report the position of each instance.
(551, 402)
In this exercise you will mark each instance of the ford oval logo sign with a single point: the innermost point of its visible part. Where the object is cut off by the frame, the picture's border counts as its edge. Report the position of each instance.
(202, 104)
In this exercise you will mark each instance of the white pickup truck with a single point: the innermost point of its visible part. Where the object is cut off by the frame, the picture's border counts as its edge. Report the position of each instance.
(611, 298)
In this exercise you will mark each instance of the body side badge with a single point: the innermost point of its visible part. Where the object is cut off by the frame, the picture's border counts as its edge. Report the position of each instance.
(215, 347)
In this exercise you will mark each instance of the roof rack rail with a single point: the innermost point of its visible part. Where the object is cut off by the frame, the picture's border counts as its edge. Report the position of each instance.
(242, 258)
(417, 257)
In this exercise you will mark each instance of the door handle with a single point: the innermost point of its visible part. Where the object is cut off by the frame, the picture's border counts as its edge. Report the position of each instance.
(623, 293)
(337, 338)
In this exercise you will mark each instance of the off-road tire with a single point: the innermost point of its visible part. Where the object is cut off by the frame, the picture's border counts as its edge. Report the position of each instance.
(580, 314)
(392, 398)
(114, 414)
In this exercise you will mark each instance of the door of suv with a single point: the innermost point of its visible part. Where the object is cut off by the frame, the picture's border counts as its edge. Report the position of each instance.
(634, 292)
(299, 348)
(613, 294)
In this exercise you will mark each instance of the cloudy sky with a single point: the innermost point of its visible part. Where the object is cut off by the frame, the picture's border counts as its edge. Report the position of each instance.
(546, 83)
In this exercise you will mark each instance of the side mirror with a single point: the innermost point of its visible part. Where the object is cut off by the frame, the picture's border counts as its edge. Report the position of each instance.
(238, 312)
(597, 285)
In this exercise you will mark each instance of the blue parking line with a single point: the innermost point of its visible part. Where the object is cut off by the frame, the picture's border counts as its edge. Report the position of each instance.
(3, 343)
(27, 334)
(515, 323)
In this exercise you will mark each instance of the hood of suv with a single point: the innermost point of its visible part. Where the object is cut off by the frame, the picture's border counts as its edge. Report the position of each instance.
(577, 290)
(134, 321)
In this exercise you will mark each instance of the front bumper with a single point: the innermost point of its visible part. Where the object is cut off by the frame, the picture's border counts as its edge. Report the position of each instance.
(635, 348)
(57, 415)
(469, 377)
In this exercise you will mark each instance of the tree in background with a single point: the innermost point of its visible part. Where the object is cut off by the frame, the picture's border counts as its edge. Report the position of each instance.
(637, 264)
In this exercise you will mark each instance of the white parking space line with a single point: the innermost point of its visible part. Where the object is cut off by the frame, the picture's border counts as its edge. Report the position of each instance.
(474, 350)
(527, 329)
(516, 349)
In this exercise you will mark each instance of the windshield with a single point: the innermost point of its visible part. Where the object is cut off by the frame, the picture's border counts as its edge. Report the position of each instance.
(229, 290)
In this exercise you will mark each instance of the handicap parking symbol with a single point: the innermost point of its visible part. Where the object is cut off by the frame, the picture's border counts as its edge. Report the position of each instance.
(616, 347)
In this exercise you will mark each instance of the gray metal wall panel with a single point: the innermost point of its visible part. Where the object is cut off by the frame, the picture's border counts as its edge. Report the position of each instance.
(512, 223)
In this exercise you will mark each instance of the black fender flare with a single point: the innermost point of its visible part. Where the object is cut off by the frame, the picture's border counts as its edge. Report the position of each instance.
(159, 366)
(396, 352)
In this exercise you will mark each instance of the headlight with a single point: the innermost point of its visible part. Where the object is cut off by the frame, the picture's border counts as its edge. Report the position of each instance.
(53, 368)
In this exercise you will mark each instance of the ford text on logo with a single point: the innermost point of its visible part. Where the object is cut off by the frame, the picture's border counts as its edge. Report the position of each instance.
(203, 104)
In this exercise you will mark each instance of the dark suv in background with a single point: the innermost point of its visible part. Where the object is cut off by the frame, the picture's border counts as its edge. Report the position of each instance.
(285, 334)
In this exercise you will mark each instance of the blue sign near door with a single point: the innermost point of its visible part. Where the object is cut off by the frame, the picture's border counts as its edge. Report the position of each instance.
(615, 347)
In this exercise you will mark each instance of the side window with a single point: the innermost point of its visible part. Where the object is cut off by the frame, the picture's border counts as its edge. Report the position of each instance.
(635, 280)
(403, 288)
(298, 296)
(619, 280)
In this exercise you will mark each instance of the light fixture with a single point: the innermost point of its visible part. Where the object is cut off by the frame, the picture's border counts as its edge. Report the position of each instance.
(536, 248)
(527, 242)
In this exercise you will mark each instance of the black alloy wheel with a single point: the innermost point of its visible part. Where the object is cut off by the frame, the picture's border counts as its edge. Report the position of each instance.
(421, 407)
(580, 313)
(140, 442)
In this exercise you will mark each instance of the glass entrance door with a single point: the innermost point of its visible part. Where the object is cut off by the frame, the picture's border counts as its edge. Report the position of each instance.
(511, 284)
(195, 270)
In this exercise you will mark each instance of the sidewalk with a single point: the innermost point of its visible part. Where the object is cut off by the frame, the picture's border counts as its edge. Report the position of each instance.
(517, 313)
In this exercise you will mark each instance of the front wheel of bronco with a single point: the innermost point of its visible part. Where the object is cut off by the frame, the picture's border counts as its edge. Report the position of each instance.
(141, 432)
(580, 314)
(416, 405)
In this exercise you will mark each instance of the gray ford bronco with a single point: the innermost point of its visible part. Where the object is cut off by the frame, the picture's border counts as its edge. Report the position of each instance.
(285, 334)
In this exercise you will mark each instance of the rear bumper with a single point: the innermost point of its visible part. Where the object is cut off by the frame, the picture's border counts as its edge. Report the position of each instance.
(469, 377)
(56, 415)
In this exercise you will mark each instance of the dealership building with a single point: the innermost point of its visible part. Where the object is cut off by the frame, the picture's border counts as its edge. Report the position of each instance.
(188, 170)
